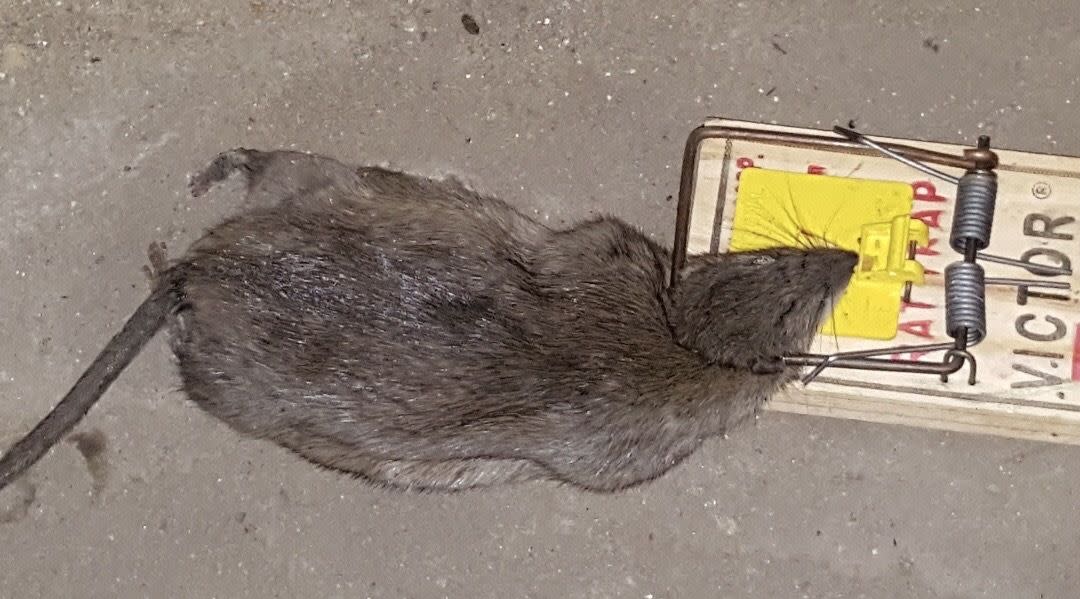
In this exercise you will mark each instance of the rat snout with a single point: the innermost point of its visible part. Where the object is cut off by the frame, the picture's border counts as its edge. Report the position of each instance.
(842, 268)
(850, 259)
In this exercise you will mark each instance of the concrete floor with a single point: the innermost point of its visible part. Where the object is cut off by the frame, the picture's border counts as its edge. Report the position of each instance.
(564, 108)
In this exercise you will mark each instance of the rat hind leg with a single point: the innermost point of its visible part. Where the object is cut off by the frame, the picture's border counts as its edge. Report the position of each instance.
(221, 168)
(454, 475)
(276, 176)
(417, 475)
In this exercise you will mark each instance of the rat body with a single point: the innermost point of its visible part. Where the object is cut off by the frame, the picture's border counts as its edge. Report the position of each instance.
(421, 335)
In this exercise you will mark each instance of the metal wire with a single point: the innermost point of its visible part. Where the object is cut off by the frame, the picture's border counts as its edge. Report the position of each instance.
(1035, 269)
(853, 359)
(1011, 282)
(915, 164)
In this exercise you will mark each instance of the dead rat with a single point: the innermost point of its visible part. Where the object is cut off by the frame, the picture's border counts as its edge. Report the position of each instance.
(421, 335)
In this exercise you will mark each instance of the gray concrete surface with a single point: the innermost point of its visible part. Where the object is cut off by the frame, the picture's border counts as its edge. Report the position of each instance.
(564, 108)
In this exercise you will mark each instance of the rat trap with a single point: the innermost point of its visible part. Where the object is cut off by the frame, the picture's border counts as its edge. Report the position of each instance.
(962, 313)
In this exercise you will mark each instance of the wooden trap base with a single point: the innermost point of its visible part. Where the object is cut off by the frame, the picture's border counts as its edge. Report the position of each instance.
(1029, 365)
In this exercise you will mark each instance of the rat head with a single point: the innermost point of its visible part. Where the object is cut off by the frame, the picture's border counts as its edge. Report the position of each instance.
(746, 309)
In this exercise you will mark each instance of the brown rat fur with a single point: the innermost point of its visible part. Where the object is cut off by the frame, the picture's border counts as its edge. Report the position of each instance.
(421, 335)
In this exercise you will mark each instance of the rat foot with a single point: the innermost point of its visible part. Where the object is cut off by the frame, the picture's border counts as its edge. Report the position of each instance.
(157, 253)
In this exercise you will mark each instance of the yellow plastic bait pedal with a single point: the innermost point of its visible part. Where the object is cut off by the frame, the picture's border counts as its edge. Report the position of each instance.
(872, 218)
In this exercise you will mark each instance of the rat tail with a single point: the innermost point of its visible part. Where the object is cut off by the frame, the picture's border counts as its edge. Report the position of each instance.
(106, 367)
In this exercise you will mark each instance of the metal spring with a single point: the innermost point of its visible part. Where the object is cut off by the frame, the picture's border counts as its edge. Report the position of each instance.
(973, 216)
(965, 301)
